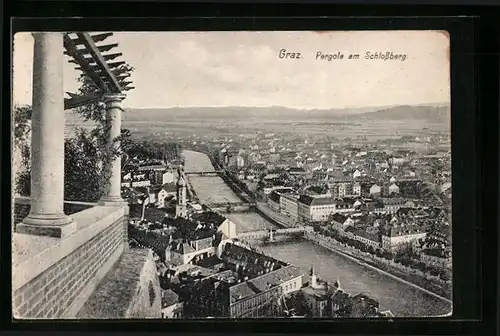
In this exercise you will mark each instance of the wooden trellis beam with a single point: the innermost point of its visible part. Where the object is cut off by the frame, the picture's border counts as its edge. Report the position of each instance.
(107, 47)
(114, 65)
(101, 62)
(108, 77)
(79, 100)
(84, 65)
(108, 57)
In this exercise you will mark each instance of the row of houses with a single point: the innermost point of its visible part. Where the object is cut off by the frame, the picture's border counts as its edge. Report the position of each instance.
(319, 208)
(148, 175)
(389, 238)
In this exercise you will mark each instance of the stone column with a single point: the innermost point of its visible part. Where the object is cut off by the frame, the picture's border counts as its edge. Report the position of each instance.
(114, 121)
(46, 215)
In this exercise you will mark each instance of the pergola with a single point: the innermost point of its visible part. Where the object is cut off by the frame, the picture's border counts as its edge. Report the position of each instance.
(108, 77)
(108, 82)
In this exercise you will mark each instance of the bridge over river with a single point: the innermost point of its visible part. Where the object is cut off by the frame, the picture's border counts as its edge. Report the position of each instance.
(400, 298)
(271, 234)
(204, 173)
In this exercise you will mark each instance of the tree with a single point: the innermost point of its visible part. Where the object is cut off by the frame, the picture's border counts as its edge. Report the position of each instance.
(371, 250)
(389, 255)
(445, 274)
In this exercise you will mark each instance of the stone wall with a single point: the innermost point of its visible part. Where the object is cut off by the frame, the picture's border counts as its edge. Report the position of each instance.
(53, 277)
(130, 290)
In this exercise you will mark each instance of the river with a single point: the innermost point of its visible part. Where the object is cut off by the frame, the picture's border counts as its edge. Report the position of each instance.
(402, 299)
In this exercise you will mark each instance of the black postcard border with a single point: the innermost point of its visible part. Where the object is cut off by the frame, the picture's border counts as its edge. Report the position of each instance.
(474, 119)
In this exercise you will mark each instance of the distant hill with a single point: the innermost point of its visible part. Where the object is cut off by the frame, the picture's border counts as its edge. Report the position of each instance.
(429, 113)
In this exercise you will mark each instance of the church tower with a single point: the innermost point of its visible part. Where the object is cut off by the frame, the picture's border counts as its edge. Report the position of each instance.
(314, 278)
(180, 209)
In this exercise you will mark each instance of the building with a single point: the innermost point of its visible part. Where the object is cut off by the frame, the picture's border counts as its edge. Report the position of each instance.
(258, 297)
(297, 171)
(140, 183)
(436, 257)
(341, 222)
(166, 191)
(317, 295)
(181, 253)
(345, 205)
(240, 161)
(397, 160)
(399, 234)
(181, 207)
(289, 206)
(278, 188)
(389, 205)
(356, 174)
(341, 186)
(375, 190)
(227, 228)
(393, 189)
(172, 308)
(364, 306)
(364, 237)
(341, 304)
(273, 200)
(356, 189)
(315, 209)
(126, 180)
(167, 177)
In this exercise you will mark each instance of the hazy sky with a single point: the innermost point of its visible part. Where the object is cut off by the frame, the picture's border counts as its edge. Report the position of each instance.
(244, 69)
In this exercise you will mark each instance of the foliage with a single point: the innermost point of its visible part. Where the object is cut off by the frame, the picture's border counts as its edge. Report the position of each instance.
(82, 162)
(22, 128)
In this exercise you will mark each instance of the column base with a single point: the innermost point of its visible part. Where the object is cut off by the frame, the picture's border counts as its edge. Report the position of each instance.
(112, 201)
(53, 225)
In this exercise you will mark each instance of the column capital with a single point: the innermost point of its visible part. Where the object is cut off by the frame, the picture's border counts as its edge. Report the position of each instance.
(113, 97)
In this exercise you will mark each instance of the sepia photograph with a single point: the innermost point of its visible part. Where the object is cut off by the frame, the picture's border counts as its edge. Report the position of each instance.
(231, 174)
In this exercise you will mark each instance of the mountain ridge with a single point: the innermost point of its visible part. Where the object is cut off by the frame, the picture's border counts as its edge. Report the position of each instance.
(439, 112)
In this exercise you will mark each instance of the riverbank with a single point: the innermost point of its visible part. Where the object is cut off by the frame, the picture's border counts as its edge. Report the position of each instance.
(409, 279)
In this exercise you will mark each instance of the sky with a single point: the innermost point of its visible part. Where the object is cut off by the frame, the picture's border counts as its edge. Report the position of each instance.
(244, 69)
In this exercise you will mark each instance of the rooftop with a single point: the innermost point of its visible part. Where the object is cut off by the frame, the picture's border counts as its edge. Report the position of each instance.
(169, 298)
(274, 196)
(263, 282)
(339, 218)
(311, 201)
